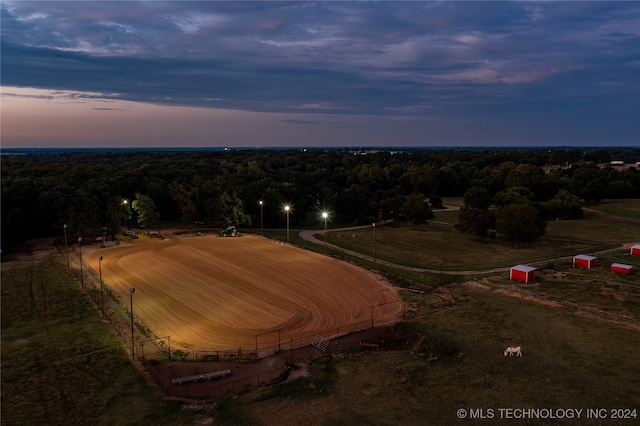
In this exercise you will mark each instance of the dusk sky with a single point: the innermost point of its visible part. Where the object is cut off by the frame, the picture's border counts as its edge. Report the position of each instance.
(310, 74)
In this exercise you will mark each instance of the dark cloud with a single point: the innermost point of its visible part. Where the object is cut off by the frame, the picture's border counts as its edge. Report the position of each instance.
(429, 59)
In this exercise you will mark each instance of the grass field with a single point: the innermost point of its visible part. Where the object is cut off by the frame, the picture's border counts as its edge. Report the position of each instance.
(439, 246)
(620, 208)
(61, 364)
(568, 362)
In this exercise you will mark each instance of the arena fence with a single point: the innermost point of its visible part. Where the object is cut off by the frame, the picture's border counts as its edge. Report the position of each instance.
(153, 347)
(215, 392)
(221, 391)
(150, 349)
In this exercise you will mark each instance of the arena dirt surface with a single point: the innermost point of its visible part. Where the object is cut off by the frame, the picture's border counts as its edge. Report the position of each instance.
(216, 293)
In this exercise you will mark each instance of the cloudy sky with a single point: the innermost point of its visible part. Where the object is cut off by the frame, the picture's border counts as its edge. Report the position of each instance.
(306, 74)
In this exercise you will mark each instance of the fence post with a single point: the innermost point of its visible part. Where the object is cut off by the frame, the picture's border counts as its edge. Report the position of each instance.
(372, 317)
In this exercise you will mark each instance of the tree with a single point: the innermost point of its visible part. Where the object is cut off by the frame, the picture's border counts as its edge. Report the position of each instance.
(436, 202)
(620, 189)
(563, 206)
(475, 221)
(520, 223)
(186, 196)
(146, 210)
(587, 182)
(391, 205)
(233, 209)
(527, 175)
(515, 194)
(477, 198)
(416, 209)
(117, 211)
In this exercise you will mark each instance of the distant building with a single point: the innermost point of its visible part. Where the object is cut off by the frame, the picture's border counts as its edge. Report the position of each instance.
(522, 273)
(621, 268)
(584, 261)
(616, 163)
(635, 250)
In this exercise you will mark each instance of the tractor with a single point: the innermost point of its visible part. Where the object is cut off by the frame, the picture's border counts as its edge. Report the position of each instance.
(230, 231)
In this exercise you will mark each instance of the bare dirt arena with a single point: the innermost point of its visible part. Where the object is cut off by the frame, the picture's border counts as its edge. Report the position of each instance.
(215, 293)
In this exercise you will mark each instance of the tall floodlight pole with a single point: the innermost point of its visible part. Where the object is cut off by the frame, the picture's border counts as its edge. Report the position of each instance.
(126, 204)
(324, 216)
(261, 217)
(374, 245)
(286, 209)
(133, 352)
(66, 246)
(101, 293)
(81, 273)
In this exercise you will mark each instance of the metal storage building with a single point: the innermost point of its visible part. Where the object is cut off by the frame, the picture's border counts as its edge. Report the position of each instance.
(522, 273)
(584, 261)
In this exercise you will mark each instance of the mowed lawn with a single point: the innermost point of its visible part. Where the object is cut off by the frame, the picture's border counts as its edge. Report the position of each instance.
(624, 208)
(440, 246)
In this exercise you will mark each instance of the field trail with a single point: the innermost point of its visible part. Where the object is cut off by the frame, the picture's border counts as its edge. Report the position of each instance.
(214, 293)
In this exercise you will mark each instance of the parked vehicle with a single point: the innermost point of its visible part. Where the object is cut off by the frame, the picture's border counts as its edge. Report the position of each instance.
(230, 231)
(131, 234)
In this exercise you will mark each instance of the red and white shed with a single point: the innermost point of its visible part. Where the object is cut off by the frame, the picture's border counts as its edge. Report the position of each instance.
(584, 261)
(621, 268)
(635, 250)
(522, 273)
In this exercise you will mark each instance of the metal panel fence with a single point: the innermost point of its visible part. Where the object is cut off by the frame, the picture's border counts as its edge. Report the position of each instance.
(300, 342)
(267, 344)
(216, 392)
(223, 390)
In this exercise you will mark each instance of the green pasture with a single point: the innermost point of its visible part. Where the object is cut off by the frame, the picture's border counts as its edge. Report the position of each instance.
(596, 229)
(61, 364)
(622, 208)
(440, 246)
(453, 201)
(568, 362)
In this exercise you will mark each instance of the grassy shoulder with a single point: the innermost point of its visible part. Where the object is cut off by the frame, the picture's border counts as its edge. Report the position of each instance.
(60, 362)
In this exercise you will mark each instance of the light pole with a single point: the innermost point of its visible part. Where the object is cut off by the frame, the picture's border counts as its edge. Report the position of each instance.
(133, 352)
(374, 245)
(101, 293)
(66, 246)
(324, 216)
(261, 217)
(81, 273)
(286, 209)
(126, 206)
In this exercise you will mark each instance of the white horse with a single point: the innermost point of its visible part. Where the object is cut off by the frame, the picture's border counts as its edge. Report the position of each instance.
(513, 351)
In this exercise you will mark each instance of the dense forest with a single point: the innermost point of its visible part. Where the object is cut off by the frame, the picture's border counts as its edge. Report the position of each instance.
(98, 193)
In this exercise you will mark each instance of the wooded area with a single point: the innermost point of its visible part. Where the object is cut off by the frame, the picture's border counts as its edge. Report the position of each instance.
(98, 193)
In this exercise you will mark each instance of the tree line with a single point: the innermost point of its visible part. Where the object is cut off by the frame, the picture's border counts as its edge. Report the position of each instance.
(99, 193)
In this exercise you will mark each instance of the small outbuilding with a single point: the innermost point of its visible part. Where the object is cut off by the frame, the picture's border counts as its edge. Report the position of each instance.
(635, 250)
(522, 273)
(584, 261)
(621, 268)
